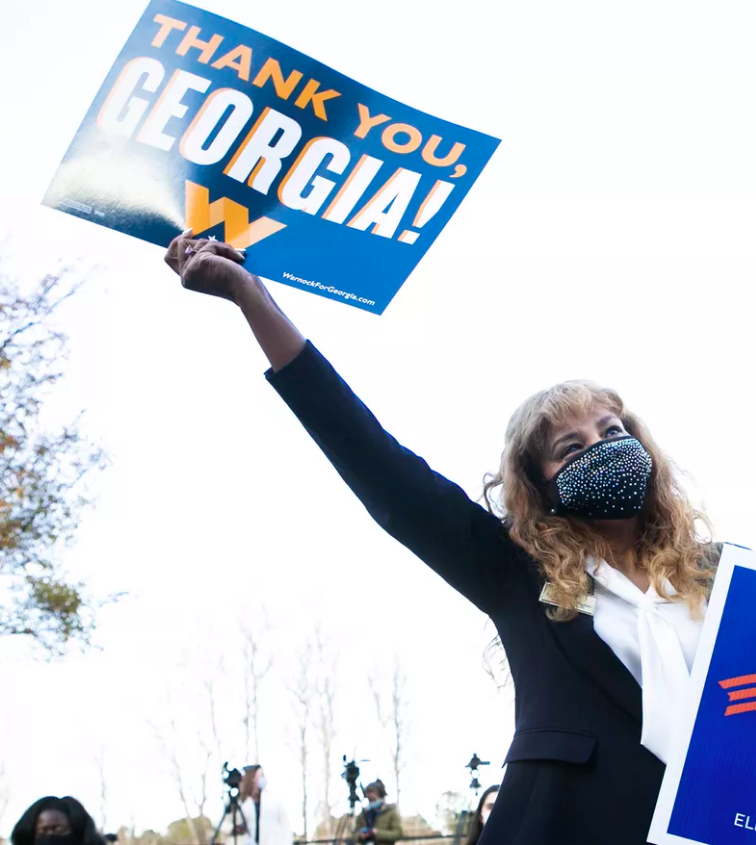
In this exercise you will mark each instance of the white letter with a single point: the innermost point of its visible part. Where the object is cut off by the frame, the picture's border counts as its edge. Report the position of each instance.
(258, 158)
(387, 207)
(169, 105)
(302, 174)
(109, 119)
(351, 191)
(739, 816)
(203, 125)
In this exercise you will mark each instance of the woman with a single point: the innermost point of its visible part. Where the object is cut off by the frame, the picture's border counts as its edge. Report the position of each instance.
(594, 577)
(485, 805)
(379, 821)
(56, 821)
(266, 820)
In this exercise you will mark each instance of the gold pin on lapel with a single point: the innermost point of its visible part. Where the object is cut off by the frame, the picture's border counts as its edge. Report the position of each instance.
(586, 605)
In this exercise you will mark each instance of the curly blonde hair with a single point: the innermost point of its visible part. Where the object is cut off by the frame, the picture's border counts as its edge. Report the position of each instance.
(669, 545)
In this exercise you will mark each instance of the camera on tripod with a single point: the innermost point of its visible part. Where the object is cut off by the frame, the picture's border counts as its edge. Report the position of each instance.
(233, 777)
(473, 766)
(351, 774)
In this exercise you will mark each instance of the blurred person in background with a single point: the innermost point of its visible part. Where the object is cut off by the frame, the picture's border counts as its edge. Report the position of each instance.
(378, 821)
(56, 821)
(265, 817)
(485, 805)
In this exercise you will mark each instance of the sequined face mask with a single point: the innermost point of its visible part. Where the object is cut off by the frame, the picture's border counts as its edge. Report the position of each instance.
(607, 481)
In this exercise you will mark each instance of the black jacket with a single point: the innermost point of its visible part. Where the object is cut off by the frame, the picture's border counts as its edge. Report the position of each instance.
(576, 771)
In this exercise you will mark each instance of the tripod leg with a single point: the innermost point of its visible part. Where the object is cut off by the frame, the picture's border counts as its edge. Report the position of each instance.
(462, 826)
(345, 825)
(238, 808)
(214, 840)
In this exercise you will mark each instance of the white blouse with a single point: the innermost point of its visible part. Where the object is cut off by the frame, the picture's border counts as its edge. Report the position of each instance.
(656, 639)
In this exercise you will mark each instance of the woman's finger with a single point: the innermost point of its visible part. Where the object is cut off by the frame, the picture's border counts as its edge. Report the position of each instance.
(187, 248)
(218, 248)
(175, 248)
(227, 251)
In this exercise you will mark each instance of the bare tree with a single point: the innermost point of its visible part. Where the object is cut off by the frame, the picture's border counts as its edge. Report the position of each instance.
(258, 661)
(192, 800)
(325, 717)
(303, 693)
(210, 690)
(392, 716)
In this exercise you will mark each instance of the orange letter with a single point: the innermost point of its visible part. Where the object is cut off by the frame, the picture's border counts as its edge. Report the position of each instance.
(409, 146)
(367, 122)
(429, 152)
(240, 59)
(206, 48)
(166, 25)
(308, 95)
(272, 70)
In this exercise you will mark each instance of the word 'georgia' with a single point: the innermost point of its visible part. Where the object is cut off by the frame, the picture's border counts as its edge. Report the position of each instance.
(258, 159)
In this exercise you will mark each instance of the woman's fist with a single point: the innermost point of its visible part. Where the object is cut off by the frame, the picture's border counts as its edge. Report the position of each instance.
(208, 266)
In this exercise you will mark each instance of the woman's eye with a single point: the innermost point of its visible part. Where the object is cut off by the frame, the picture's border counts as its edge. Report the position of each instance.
(571, 449)
(614, 430)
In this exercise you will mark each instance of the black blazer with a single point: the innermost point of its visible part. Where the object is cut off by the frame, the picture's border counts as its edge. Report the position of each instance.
(576, 771)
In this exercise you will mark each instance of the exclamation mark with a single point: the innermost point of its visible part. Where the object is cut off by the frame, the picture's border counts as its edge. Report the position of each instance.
(438, 195)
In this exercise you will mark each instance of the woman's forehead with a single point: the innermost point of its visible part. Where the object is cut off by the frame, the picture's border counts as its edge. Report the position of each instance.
(576, 419)
(52, 816)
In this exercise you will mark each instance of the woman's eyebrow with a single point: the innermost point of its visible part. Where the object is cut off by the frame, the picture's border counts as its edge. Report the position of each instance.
(563, 437)
(605, 420)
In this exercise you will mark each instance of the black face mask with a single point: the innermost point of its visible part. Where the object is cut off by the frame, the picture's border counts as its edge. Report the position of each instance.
(607, 481)
(54, 839)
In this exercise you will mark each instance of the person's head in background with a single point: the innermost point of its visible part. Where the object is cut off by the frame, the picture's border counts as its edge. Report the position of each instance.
(253, 782)
(485, 805)
(111, 838)
(375, 793)
(56, 821)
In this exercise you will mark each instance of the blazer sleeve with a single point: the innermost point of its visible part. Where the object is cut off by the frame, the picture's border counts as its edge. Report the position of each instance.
(431, 516)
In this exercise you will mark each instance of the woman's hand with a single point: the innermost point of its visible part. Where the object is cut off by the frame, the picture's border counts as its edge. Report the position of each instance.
(215, 268)
(209, 266)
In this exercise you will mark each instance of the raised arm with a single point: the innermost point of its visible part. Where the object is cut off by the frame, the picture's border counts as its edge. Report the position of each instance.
(419, 507)
(215, 268)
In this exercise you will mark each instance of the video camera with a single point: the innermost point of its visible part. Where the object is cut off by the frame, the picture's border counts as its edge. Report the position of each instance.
(350, 774)
(473, 766)
(233, 777)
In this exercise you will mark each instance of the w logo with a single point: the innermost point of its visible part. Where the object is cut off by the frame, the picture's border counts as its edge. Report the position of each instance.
(741, 695)
(201, 214)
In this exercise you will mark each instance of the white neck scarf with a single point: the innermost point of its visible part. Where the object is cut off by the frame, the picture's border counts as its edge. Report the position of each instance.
(664, 670)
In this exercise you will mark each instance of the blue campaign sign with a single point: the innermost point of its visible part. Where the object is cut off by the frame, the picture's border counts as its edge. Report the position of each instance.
(205, 123)
(716, 797)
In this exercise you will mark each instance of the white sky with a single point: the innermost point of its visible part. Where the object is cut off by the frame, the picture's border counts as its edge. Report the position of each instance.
(611, 237)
